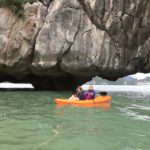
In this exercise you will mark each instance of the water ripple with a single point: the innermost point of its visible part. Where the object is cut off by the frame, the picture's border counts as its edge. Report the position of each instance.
(129, 111)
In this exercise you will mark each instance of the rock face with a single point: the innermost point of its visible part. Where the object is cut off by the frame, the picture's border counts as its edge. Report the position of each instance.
(62, 43)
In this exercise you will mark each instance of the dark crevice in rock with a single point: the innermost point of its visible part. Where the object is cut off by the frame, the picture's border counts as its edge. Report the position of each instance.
(71, 7)
(100, 9)
(86, 31)
(129, 15)
(124, 11)
(71, 43)
(34, 43)
(61, 55)
(45, 2)
(93, 17)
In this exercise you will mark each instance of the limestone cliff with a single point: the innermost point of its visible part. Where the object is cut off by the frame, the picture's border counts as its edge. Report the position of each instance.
(61, 43)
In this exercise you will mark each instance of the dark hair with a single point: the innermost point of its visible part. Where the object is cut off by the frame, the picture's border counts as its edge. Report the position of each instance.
(103, 93)
(74, 93)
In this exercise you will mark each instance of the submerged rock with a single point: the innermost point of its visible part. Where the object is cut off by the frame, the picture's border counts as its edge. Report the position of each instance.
(62, 43)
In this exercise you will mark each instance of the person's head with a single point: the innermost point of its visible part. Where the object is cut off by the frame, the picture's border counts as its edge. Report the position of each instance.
(79, 89)
(90, 88)
(74, 93)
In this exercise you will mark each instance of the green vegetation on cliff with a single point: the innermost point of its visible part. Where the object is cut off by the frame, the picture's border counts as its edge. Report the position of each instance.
(16, 6)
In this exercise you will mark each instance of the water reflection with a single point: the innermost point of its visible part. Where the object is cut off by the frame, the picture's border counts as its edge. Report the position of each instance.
(96, 105)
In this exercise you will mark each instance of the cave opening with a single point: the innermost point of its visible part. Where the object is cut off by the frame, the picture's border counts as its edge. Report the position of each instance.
(135, 79)
(138, 82)
(69, 82)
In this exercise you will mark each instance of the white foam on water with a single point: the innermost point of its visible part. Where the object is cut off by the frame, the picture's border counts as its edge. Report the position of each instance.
(140, 107)
(134, 114)
(137, 134)
(130, 148)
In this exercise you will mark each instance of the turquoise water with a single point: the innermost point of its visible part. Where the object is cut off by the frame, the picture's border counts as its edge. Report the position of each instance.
(31, 121)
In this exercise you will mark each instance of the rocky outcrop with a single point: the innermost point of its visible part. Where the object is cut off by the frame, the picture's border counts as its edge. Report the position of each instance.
(17, 38)
(62, 43)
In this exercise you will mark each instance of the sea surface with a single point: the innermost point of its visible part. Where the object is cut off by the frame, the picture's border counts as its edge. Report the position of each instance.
(30, 120)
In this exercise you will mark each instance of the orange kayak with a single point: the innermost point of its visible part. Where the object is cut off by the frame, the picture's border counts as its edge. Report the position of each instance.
(93, 102)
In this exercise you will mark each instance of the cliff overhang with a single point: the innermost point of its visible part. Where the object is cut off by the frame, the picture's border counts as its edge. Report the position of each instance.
(60, 44)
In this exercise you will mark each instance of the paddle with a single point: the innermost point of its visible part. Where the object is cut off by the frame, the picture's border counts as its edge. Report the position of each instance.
(103, 93)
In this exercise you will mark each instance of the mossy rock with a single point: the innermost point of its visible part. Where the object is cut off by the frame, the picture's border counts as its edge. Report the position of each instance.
(16, 6)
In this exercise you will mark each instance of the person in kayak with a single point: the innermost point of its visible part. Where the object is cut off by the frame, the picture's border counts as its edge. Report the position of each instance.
(90, 93)
(74, 96)
(80, 93)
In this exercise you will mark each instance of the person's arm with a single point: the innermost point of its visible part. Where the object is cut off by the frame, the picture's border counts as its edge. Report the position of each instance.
(94, 93)
(71, 98)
